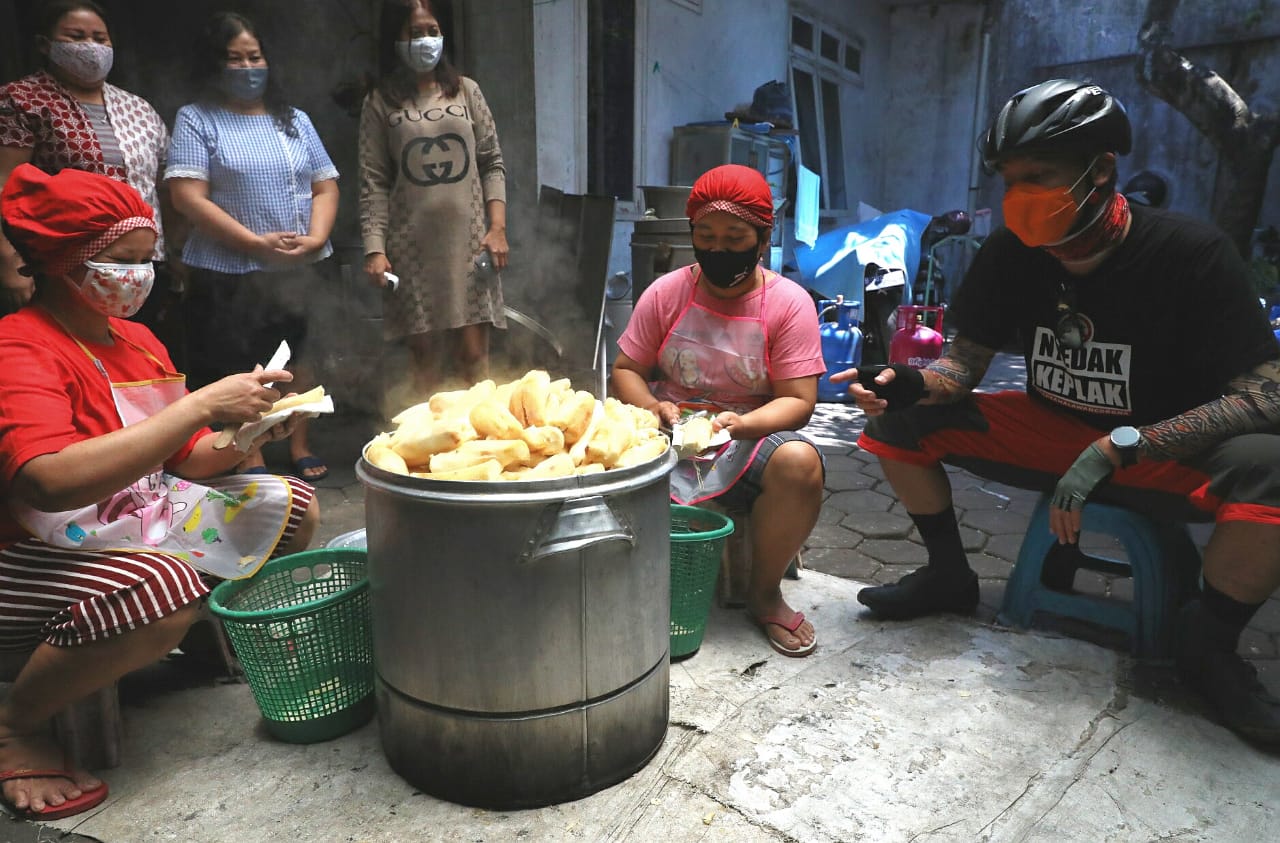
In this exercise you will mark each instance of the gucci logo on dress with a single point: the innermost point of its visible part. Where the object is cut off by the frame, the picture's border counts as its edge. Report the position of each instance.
(436, 160)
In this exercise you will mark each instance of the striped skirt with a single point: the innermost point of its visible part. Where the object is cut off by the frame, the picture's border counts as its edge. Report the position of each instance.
(69, 597)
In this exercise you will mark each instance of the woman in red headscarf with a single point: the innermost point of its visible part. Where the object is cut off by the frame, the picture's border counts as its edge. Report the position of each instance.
(730, 337)
(113, 499)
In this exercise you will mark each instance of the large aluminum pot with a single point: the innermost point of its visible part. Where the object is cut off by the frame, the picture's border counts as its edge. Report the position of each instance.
(521, 630)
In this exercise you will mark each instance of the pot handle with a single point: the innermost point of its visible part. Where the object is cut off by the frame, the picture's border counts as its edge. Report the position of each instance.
(575, 525)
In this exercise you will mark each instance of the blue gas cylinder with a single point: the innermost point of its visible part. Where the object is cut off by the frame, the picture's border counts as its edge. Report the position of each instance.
(841, 345)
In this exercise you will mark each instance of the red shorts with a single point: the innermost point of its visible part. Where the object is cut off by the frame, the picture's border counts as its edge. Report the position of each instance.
(1013, 439)
(68, 597)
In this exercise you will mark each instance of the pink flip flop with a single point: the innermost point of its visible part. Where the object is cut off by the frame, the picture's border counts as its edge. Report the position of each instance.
(86, 800)
(794, 653)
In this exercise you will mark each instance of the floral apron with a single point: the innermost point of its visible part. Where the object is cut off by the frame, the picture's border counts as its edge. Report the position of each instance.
(227, 529)
(717, 362)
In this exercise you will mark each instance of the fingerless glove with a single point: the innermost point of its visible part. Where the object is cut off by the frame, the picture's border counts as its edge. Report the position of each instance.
(906, 388)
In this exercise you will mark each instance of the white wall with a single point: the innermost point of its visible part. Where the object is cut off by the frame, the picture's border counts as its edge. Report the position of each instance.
(694, 66)
(928, 120)
(560, 86)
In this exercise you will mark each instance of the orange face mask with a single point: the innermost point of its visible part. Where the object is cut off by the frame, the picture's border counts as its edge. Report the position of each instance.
(1041, 216)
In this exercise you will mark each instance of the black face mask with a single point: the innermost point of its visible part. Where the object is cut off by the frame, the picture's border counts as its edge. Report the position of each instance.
(727, 269)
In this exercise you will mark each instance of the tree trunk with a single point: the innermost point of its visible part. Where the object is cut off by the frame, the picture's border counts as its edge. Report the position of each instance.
(1245, 141)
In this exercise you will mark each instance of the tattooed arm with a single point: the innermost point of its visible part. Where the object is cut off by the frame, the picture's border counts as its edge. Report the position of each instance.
(956, 373)
(1252, 404)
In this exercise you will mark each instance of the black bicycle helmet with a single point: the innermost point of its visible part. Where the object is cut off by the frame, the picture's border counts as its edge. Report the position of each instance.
(1061, 115)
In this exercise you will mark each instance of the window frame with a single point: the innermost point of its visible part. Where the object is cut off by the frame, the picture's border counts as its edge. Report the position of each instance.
(821, 69)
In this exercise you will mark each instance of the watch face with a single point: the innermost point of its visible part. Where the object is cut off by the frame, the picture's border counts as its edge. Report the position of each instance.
(1126, 437)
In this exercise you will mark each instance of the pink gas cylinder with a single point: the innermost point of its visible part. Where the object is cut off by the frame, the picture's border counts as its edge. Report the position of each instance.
(915, 343)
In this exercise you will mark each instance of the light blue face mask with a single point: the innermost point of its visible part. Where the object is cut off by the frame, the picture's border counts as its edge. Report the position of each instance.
(246, 84)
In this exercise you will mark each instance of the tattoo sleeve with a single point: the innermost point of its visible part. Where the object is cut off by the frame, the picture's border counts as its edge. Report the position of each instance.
(956, 373)
(1251, 404)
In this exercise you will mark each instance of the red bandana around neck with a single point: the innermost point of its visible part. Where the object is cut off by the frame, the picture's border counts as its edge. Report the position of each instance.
(1097, 236)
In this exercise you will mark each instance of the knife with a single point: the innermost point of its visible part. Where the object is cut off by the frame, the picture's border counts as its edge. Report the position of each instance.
(278, 361)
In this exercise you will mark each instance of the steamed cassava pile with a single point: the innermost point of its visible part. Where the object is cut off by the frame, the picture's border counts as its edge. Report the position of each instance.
(533, 428)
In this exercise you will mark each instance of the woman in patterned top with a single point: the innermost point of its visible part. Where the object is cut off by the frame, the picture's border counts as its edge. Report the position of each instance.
(251, 176)
(430, 171)
(66, 115)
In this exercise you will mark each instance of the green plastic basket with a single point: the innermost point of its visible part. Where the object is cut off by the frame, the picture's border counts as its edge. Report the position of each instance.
(301, 630)
(697, 543)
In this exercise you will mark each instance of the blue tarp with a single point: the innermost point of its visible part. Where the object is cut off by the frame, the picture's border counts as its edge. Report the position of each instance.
(836, 263)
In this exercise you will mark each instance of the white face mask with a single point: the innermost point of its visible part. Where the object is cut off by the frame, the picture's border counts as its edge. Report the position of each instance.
(87, 61)
(117, 289)
(421, 55)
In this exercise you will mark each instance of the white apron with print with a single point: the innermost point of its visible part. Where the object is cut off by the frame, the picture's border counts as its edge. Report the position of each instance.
(227, 528)
(722, 363)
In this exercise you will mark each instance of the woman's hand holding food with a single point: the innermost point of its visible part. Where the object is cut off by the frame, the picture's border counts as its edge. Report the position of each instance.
(667, 412)
(241, 398)
(732, 422)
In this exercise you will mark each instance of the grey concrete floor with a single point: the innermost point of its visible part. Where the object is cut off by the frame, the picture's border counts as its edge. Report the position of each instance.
(940, 729)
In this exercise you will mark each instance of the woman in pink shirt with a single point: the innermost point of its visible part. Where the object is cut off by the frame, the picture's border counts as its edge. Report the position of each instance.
(730, 336)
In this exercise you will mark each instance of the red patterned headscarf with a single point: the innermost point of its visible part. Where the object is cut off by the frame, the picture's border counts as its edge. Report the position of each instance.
(734, 189)
(58, 222)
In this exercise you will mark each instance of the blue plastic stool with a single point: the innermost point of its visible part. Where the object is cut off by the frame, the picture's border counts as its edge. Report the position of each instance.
(1162, 561)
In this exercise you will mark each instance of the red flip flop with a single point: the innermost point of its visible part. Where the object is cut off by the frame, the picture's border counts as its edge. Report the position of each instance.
(86, 800)
(795, 653)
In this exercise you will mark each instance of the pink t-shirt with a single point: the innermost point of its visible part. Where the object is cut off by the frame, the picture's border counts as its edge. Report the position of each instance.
(795, 348)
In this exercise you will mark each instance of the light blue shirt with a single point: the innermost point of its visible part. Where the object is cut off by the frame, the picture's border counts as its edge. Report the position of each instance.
(256, 173)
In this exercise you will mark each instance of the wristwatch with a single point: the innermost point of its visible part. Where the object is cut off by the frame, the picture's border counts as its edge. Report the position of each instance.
(1125, 440)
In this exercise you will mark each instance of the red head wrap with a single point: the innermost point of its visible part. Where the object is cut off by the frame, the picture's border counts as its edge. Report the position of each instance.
(734, 189)
(58, 222)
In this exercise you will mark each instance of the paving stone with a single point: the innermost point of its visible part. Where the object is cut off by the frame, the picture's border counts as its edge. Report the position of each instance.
(1005, 545)
(1257, 644)
(832, 535)
(863, 500)
(1024, 506)
(878, 525)
(849, 481)
(972, 540)
(874, 469)
(995, 521)
(842, 462)
(831, 515)
(864, 457)
(991, 593)
(1010, 492)
(842, 562)
(975, 498)
(895, 552)
(1102, 545)
(1092, 583)
(1122, 588)
(990, 567)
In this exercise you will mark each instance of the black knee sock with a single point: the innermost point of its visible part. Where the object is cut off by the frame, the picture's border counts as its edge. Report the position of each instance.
(941, 536)
(1225, 617)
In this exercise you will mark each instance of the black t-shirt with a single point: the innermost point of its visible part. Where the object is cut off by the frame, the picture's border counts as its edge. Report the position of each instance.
(1169, 319)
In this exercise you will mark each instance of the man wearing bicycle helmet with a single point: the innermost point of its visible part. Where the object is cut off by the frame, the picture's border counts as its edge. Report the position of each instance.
(1153, 382)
